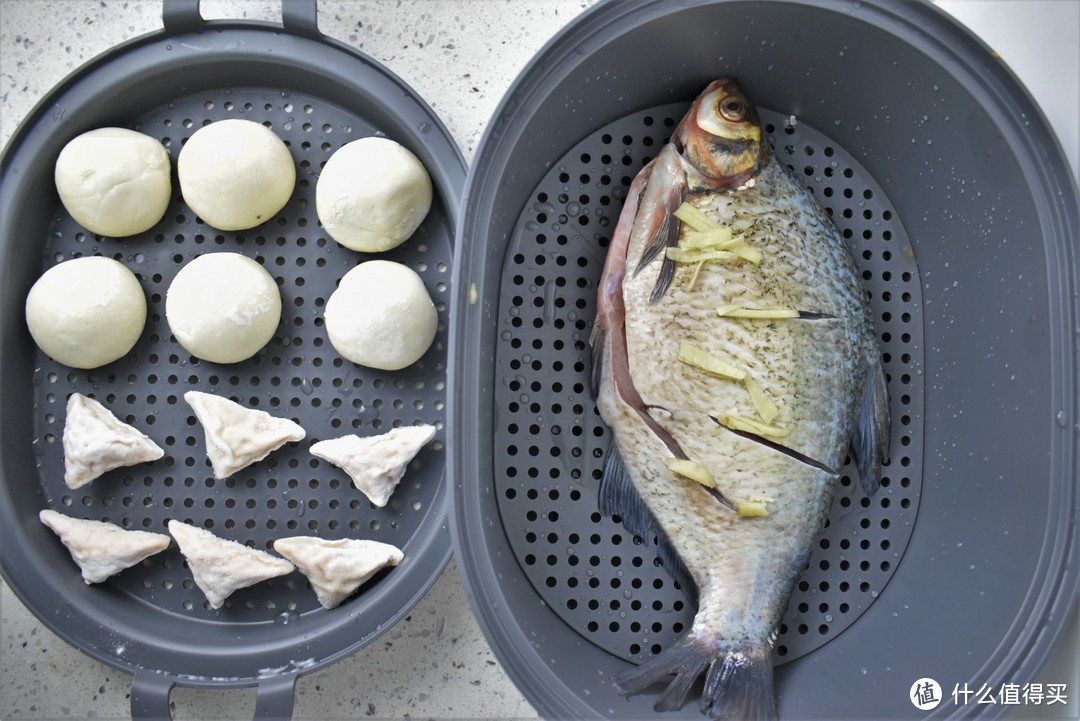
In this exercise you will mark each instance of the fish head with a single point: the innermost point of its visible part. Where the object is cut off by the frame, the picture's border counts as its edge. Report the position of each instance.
(721, 136)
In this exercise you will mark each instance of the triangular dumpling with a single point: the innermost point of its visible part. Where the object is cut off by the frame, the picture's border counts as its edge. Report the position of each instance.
(220, 566)
(337, 568)
(237, 436)
(375, 463)
(102, 549)
(96, 441)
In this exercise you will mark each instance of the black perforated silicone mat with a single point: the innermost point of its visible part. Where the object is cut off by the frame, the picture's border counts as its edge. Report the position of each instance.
(298, 375)
(550, 442)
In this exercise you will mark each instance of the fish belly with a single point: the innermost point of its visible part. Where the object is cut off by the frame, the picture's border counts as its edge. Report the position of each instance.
(811, 369)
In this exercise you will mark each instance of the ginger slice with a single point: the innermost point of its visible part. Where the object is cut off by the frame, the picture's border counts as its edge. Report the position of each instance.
(698, 358)
(692, 470)
(749, 425)
(762, 403)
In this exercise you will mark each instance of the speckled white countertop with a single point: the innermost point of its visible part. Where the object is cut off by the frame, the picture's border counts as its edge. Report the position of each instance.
(460, 55)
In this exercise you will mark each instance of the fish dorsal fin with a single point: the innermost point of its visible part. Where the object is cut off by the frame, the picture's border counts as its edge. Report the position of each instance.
(220, 566)
(337, 568)
(95, 441)
(870, 442)
(617, 496)
(102, 549)
(237, 436)
(375, 464)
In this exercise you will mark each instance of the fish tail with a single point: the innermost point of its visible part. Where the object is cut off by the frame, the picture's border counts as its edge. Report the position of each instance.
(738, 684)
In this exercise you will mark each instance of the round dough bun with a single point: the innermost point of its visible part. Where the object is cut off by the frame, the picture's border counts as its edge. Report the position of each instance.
(235, 174)
(372, 195)
(223, 307)
(381, 316)
(114, 181)
(86, 312)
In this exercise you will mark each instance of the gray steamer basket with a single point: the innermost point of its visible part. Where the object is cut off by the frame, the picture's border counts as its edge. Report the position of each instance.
(961, 213)
(151, 621)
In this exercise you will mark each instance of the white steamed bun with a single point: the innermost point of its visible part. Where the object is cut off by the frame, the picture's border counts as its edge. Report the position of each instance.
(86, 312)
(114, 181)
(223, 307)
(235, 174)
(372, 195)
(381, 316)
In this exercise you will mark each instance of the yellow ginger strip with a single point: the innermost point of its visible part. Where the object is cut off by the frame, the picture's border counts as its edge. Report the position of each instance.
(693, 217)
(754, 507)
(751, 509)
(682, 255)
(692, 470)
(747, 253)
(749, 425)
(735, 250)
(739, 311)
(694, 277)
(694, 356)
(762, 403)
(705, 238)
(718, 238)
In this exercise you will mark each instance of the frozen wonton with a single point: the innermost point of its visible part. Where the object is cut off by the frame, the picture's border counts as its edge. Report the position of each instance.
(237, 436)
(102, 549)
(220, 566)
(96, 441)
(375, 463)
(337, 568)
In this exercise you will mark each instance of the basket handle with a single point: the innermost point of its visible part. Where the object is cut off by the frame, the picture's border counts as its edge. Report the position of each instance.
(274, 697)
(299, 17)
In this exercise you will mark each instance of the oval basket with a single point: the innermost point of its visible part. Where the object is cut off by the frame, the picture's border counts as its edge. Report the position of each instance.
(317, 94)
(961, 212)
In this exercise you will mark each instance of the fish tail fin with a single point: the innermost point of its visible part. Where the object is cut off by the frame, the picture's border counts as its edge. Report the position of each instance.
(738, 685)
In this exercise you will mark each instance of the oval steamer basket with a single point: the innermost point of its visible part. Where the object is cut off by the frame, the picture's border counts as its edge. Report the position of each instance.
(961, 213)
(151, 620)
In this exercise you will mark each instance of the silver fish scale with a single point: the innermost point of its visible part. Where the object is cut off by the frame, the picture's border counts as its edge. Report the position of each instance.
(601, 580)
(803, 366)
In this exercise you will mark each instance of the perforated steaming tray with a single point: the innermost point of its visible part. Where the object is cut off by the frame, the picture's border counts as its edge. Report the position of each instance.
(601, 580)
(962, 217)
(151, 620)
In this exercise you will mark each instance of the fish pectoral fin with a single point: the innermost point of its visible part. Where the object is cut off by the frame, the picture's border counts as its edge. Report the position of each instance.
(665, 193)
(870, 441)
(738, 685)
(596, 370)
(665, 227)
(617, 496)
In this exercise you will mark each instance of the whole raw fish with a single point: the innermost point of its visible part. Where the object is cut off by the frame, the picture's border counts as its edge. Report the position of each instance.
(736, 363)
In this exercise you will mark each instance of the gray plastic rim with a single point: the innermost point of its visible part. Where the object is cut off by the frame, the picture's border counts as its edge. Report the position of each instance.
(187, 55)
(509, 162)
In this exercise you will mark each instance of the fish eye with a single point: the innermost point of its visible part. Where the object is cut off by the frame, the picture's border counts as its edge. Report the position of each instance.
(733, 109)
